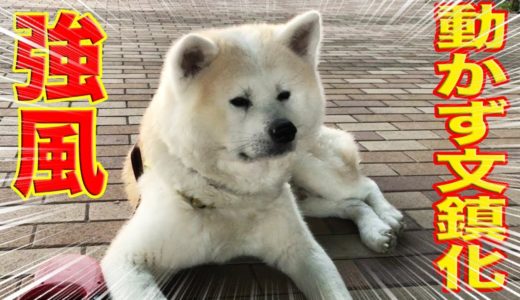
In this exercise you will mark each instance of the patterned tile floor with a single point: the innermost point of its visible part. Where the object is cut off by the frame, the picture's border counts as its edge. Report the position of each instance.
(376, 67)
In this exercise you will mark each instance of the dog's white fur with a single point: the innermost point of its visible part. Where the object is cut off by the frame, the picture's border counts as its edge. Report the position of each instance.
(194, 142)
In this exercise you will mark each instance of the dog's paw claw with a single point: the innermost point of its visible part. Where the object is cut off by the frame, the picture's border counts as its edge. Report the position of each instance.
(393, 218)
(383, 240)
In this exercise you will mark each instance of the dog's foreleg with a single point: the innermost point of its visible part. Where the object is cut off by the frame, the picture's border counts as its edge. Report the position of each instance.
(386, 211)
(331, 172)
(129, 264)
(375, 234)
(307, 264)
(288, 245)
(128, 281)
(314, 273)
(127, 276)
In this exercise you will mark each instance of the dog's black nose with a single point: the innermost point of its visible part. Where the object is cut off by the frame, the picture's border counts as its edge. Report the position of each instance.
(282, 131)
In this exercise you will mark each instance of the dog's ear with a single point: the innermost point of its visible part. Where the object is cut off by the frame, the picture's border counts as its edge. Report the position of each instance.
(192, 54)
(302, 34)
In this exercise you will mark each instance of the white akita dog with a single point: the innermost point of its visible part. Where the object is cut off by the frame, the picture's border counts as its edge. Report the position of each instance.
(234, 129)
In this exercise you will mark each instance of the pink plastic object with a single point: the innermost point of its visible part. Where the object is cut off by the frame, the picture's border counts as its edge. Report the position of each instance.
(70, 276)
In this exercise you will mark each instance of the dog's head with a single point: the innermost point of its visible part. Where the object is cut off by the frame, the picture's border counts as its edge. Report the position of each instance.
(247, 95)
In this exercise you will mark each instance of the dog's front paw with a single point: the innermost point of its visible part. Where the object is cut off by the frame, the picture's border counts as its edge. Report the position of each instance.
(394, 218)
(379, 237)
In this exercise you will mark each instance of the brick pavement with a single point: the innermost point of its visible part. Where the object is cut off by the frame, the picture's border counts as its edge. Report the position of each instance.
(378, 80)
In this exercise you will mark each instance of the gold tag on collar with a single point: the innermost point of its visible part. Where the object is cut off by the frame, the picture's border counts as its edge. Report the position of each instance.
(194, 202)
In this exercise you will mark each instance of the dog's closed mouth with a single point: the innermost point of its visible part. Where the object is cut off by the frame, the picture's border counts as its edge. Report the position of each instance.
(274, 152)
(244, 156)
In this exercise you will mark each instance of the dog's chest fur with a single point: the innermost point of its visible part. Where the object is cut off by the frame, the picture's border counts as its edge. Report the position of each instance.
(214, 233)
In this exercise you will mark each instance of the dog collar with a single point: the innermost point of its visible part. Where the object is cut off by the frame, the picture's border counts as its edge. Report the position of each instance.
(138, 168)
(194, 202)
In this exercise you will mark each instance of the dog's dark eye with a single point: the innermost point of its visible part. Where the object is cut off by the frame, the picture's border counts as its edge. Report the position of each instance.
(240, 102)
(283, 96)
